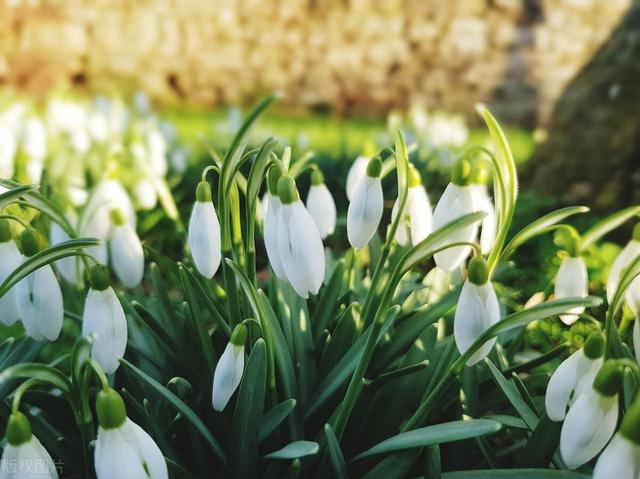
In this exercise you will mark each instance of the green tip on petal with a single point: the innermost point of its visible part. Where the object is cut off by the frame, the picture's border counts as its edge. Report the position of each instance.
(374, 168)
(568, 239)
(18, 429)
(239, 335)
(287, 190)
(117, 217)
(31, 242)
(480, 172)
(636, 232)
(414, 177)
(594, 345)
(203, 192)
(478, 270)
(110, 408)
(99, 277)
(630, 426)
(317, 178)
(274, 175)
(608, 381)
(5, 230)
(461, 172)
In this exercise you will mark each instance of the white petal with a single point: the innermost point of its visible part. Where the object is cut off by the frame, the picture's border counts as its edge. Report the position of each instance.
(322, 209)
(420, 215)
(104, 318)
(619, 460)
(632, 296)
(115, 458)
(357, 171)
(227, 375)
(147, 450)
(39, 301)
(572, 378)
(271, 236)
(626, 256)
(145, 194)
(204, 238)
(456, 201)
(572, 282)
(483, 202)
(301, 250)
(27, 461)
(127, 255)
(365, 211)
(69, 268)
(477, 310)
(589, 425)
(11, 259)
(636, 338)
(403, 232)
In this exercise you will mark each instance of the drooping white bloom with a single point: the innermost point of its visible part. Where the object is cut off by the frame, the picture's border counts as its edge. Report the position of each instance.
(229, 369)
(204, 233)
(356, 173)
(574, 377)
(145, 194)
(8, 147)
(321, 206)
(418, 217)
(10, 260)
(271, 235)
(591, 420)
(24, 457)
(483, 202)
(69, 268)
(124, 449)
(572, 282)
(624, 259)
(126, 254)
(620, 460)
(477, 310)
(365, 210)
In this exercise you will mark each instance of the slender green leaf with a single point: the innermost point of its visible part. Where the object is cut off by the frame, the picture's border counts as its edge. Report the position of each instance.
(336, 459)
(274, 417)
(328, 300)
(608, 224)
(513, 395)
(41, 372)
(515, 473)
(295, 450)
(542, 444)
(14, 194)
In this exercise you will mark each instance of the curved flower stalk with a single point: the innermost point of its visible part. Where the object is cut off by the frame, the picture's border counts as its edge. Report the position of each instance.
(271, 223)
(204, 233)
(229, 369)
(125, 252)
(24, 456)
(456, 201)
(69, 268)
(11, 259)
(104, 320)
(621, 458)
(320, 205)
(418, 218)
(574, 376)
(38, 295)
(365, 210)
(477, 310)
(571, 282)
(299, 244)
(591, 420)
(357, 171)
(483, 202)
(124, 449)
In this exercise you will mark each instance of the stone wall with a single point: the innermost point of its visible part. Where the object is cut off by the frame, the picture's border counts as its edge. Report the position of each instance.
(344, 55)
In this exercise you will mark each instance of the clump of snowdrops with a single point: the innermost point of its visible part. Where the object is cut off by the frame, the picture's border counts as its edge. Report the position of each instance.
(395, 358)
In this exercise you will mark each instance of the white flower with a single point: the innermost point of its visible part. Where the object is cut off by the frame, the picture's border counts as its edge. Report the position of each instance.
(419, 223)
(632, 296)
(477, 310)
(626, 256)
(365, 210)
(8, 147)
(104, 319)
(271, 235)
(127, 255)
(483, 202)
(592, 419)
(11, 259)
(356, 173)
(299, 244)
(157, 151)
(24, 457)
(572, 282)
(456, 201)
(229, 369)
(145, 194)
(574, 377)
(69, 268)
(321, 206)
(204, 233)
(620, 460)
(124, 449)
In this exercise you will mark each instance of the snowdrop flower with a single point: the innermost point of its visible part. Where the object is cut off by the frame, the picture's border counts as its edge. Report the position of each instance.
(145, 194)
(456, 201)
(320, 205)
(571, 282)
(24, 456)
(271, 239)
(299, 244)
(365, 209)
(125, 252)
(8, 147)
(417, 221)
(38, 295)
(124, 449)
(104, 320)
(477, 310)
(157, 151)
(621, 458)
(574, 376)
(483, 202)
(229, 369)
(69, 268)
(204, 233)
(591, 420)
(11, 259)
(356, 173)
(629, 253)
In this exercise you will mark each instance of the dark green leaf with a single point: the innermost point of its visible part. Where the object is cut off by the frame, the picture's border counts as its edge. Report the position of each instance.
(294, 450)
